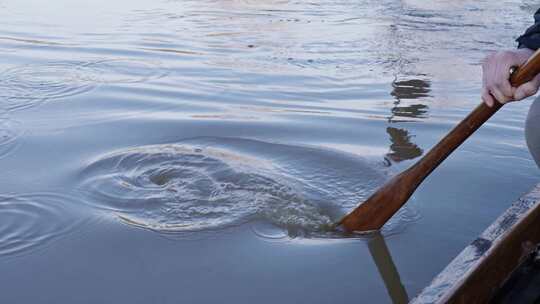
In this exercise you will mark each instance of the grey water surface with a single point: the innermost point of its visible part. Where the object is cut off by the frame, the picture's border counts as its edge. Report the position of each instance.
(200, 151)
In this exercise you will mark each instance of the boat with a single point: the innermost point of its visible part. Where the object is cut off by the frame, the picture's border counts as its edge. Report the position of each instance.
(482, 272)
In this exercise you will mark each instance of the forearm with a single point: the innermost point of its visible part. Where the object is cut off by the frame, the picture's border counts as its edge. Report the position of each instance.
(523, 53)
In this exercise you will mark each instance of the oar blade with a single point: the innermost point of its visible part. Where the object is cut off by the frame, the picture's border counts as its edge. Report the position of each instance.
(380, 206)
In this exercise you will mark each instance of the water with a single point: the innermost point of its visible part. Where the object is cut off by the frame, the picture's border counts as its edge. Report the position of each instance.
(200, 151)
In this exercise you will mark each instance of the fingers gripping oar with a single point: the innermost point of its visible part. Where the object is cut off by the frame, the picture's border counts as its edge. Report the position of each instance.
(387, 200)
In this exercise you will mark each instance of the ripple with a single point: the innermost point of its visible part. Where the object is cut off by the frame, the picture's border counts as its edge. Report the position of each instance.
(26, 86)
(111, 71)
(214, 183)
(190, 188)
(10, 132)
(29, 222)
(29, 85)
(269, 232)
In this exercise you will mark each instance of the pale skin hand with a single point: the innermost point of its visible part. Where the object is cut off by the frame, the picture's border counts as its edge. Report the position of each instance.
(496, 73)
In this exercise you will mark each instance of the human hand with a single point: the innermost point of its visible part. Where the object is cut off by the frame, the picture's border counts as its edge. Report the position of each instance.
(496, 74)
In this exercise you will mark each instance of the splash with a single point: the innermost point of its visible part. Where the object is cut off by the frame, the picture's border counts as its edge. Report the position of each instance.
(214, 183)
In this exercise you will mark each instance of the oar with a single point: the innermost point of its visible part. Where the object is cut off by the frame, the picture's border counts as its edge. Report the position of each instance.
(387, 269)
(386, 201)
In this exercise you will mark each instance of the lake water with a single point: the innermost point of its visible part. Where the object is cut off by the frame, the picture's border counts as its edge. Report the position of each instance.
(198, 151)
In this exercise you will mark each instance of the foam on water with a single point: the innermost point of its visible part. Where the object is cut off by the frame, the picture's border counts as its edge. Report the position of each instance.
(214, 183)
(32, 221)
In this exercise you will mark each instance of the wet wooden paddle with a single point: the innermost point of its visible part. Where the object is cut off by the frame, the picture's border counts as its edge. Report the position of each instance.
(386, 201)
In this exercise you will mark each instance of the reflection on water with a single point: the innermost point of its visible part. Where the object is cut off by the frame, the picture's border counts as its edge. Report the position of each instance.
(387, 269)
(405, 90)
(410, 111)
(410, 89)
(402, 148)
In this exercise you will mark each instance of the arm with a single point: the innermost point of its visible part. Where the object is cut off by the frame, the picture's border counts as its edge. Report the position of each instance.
(496, 67)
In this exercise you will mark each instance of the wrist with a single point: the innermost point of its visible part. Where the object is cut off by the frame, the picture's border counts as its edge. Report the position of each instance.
(524, 53)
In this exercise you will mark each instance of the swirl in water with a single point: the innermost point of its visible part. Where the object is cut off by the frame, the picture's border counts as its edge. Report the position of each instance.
(212, 183)
(183, 187)
(28, 222)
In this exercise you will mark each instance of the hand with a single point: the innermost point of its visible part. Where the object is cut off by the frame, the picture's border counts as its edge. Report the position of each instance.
(496, 74)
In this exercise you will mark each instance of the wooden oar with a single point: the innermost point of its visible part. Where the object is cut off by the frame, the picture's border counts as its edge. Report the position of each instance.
(387, 269)
(386, 201)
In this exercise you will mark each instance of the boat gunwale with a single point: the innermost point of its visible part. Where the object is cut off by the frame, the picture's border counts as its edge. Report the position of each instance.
(475, 275)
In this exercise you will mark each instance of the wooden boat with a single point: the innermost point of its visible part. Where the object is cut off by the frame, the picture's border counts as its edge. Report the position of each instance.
(479, 271)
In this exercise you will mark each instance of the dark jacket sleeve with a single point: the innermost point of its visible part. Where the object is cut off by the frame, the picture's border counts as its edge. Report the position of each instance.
(531, 38)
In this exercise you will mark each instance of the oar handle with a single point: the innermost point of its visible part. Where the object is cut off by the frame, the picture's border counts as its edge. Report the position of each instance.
(527, 71)
(471, 123)
(385, 202)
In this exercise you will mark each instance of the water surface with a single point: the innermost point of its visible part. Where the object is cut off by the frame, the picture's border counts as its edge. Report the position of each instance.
(199, 151)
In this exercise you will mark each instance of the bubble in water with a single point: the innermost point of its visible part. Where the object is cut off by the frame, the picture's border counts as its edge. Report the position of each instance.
(28, 222)
(213, 183)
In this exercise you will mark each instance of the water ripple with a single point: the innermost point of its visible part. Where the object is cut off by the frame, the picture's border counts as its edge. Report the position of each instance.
(120, 71)
(188, 188)
(29, 85)
(10, 133)
(32, 221)
(214, 183)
